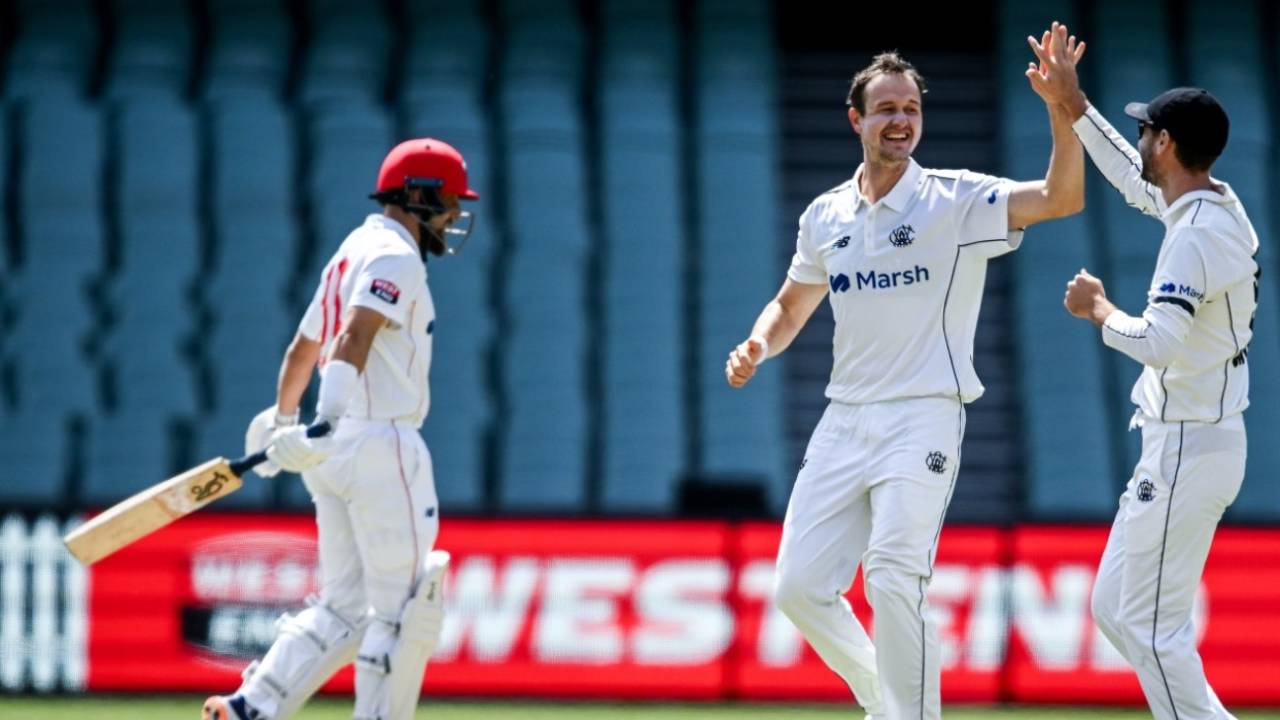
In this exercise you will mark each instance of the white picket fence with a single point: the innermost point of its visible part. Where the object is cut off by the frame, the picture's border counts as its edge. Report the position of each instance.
(43, 613)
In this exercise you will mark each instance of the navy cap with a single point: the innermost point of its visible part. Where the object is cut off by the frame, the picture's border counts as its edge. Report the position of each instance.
(1194, 118)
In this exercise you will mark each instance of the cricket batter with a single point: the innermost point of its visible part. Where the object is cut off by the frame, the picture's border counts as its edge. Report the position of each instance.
(1192, 340)
(901, 253)
(369, 329)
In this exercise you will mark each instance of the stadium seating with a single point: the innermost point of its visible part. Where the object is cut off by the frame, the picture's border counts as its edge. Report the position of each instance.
(36, 454)
(543, 276)
(1224, 57)
(61, 237)
(346, 146)
(349, 53)
(249, 48)
(1069, 429)
(462, 401)
(738, 272)
(1132, 42)
(644, 420)
(456, 53)
(152, 51)
(54, 50)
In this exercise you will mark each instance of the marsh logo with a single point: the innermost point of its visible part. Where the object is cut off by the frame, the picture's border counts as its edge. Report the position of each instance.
(1169, 288)
(839, 283)
(902, 236)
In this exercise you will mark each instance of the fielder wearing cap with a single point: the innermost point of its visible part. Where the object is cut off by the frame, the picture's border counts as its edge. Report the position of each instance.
(1192, 340)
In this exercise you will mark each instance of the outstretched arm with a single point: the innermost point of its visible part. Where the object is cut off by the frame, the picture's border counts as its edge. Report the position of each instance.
(1118, 161)
(774, 330)
(1061, 192)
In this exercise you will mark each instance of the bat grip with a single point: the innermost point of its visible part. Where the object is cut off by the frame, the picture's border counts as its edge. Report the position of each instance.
(240, 466)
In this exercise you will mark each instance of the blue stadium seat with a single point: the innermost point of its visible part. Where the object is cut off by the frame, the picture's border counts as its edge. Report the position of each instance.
(544, 40)
(249, 49)
(737, 159)
(125, 454)
(1060, 359)
(253, 195)
(644, 419)
(61, 237)
(1132, 43)
(54, 51)
(1227, 64)
(462, 405)
(457, 50)
(347, 146)
(349, 55)
(544, 278)
(158, 189)
(152, 50)
(61, 225)
(35, 450)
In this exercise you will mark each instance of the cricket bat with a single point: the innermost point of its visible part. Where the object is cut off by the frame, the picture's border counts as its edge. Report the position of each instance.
(149, 510)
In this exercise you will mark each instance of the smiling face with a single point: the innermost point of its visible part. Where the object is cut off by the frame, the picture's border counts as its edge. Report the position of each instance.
(894, 119)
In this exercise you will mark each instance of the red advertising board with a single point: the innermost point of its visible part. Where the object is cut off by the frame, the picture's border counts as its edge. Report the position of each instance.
(665, 609)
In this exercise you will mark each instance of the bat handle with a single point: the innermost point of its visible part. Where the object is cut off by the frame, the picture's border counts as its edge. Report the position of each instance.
(240, 466)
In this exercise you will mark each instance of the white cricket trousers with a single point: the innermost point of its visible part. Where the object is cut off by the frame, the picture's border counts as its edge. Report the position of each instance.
(376, 520)
(376, 516)
(873, 489)
(1189, 473)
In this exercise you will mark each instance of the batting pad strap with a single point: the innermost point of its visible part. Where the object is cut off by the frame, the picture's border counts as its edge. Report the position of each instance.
(337, 385)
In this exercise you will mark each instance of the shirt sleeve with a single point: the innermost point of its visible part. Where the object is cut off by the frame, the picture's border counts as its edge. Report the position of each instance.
(1156, 338)
(983, 221)
(312, 324)
(807, 265)
(386, 284)
(1118, 161)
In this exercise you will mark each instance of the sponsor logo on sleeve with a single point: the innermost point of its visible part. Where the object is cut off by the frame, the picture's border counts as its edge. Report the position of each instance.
(1169, 288)
(991, 199)
(843, 242)
(385, 290)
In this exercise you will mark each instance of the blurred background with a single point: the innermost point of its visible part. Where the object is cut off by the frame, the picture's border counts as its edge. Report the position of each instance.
(173, 175)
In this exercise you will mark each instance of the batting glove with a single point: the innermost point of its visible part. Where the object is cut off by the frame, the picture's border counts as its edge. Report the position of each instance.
(265, 427)
(292, 450)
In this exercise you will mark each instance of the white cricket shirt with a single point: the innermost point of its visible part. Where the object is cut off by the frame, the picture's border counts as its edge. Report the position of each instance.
(1194, 333)
(378, 266)
(905, 278)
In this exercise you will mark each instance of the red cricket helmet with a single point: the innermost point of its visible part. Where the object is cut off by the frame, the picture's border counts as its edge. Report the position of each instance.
(426, 161)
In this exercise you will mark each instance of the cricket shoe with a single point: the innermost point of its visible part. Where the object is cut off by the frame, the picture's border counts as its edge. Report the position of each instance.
(228, 707)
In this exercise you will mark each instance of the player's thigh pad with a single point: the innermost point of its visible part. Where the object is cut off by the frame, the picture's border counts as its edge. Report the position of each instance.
(394, 514)
(395, 651)
(311, 646)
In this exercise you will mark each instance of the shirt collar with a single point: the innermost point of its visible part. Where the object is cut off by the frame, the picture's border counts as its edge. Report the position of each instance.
(1226, 196)
(902, 191)
(382, 221)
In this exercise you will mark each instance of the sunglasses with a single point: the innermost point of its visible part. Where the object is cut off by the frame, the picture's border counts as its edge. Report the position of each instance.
(1143, 126)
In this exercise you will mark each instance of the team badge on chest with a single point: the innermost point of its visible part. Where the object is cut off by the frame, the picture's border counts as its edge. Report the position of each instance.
(902, 236)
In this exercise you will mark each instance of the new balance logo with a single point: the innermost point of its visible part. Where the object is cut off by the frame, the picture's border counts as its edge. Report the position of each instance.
(879, 280)
(841, 243)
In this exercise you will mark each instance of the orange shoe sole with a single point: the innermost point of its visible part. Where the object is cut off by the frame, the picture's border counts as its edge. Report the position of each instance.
(215, 708)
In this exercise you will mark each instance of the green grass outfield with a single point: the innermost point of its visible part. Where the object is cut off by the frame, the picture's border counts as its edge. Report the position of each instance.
(116, 707)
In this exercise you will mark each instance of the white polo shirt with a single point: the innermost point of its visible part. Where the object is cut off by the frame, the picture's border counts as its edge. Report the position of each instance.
(379, 267)
(904, 277)
(1194, 334)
